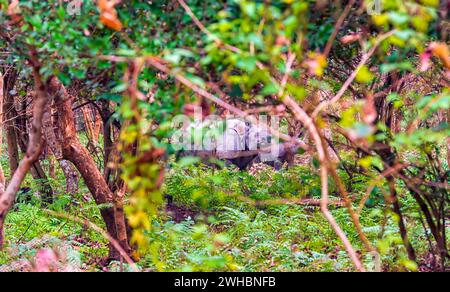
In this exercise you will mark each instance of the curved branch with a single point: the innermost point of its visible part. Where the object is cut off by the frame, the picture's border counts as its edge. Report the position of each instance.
(308, 123)
(34, 147)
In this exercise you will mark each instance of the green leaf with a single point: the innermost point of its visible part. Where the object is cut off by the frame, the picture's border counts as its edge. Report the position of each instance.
(398, 18)
(119, 88)
(404, 66)
(247, 63)
(249, 8)
(269, 89)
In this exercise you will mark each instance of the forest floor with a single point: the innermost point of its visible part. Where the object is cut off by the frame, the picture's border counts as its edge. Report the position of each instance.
(209, 227)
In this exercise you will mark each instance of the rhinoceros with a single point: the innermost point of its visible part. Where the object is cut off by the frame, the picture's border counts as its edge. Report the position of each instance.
(236, 141)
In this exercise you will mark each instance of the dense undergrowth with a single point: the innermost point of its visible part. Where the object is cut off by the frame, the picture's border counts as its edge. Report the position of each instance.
(220, 220)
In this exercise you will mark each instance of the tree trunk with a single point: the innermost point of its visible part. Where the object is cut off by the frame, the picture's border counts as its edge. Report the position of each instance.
(35, 146)
(68, 169)
(111, 155)
(107, 140)
(75, 152)
(2, 175)
(37, 172)
(92, 123)
(51, 168)
(10, 114)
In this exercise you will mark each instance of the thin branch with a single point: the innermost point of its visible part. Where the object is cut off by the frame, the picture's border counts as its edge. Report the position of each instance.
(301, 201)
(387, 172)
(308, 123)
(200, 25)
(365, 58)
(337, 27)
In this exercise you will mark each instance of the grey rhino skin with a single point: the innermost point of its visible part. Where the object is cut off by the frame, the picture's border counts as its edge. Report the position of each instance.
(236, 142)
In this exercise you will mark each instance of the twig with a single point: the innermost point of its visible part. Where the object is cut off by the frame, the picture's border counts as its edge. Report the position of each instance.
(2, 175)
(389, 171)
(308, 123)
(338, 25)
(200, 25)
(302, 201)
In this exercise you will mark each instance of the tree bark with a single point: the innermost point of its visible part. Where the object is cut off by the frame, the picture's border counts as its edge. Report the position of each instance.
(68, 169)
(10, 114)
(92, 123)
(37, 172)
(2, 175)
(111, 155)
(75, 152)
(35, 146)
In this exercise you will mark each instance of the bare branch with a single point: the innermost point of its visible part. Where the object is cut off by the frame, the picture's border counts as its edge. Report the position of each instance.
(337, 27)
(34, 147)
(308, 123)
(200, 25)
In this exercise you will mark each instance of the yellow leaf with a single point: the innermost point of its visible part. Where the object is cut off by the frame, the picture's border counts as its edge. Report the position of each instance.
(364, 75)
(380, 19)
(316, 64)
